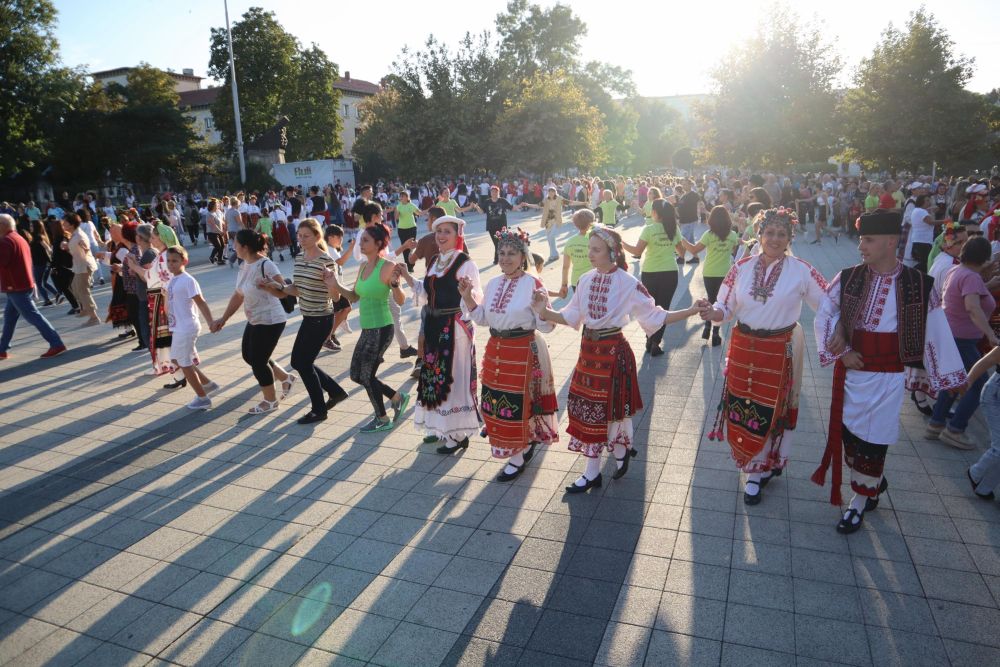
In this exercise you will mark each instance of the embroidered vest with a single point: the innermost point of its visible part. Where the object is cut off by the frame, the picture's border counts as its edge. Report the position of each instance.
(443, 290)
(913, 290)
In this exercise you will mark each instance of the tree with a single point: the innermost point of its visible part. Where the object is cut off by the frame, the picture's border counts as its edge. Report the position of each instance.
(774, 103)
(535, 39)
(276, 77)
(150, 87)
(909, 105)
(658, 134)
(551, 126)
(36, 90)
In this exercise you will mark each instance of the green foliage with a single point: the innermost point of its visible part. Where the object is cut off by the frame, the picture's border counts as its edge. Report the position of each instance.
(683, 158)
(909, 105)
(774, 103)
(658, 134)
(276, 77)
(535, 39)
(258, 178)
(150, 87)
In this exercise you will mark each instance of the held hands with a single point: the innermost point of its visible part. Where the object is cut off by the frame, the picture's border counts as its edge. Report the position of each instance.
(853, 360)
(216, 325)
(465, 288)
(563, 291)
(330, 278)
(539, 301)
(409, 245)
(838, 342)
(710, 314)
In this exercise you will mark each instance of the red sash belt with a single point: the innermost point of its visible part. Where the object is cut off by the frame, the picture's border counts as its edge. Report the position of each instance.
(880, 354)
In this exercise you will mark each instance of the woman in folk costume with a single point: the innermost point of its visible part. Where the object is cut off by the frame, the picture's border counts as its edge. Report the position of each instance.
(518, 396)
(760, 397)
(604, 389)
(446, 390)
(117, 310)
(157, 277)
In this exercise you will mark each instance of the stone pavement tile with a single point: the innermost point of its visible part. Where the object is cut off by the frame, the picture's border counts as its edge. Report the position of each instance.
(623, 645)
(647, 571)
(368, 555)
(288, 574)
(67, 603)
(595, 563)
(933, 527)
(417, 565)
(987, 559)
(759, 627)
(239, 527)
(533, 498)
(568, 635)
(106, 618)
(761, 529)
(394, 528)
(203, 593)
(250, 606)
(202, 519)
(962, 653)
(734, 655)
(389, 597)
(278, 535)
(822, 566)
(826, 600)
(445, 538)
(614, 535)
(967, 623)
(125, 533)
(354, 521)
(527, 585)
(897, 648)
(964, 587)
(26, 587)
(60, 648)
(20, 634)
(544, 554)
(510, 520)
(504, 622)
(302, 620)
(314, 657)
(239, 562)
(894, 610)
(112, 654)
(652, 541)
(489, 545)
(717, 500)
(708, 522)
(765, 557)
(321, 545)
(697, 579)
(378, 499)
(818, 537)
(475, 652)
(262, 649)
(620, 510)
(872, 543)
(661, 515)
(122, 568)
(159, 581)
(162, 543)
(469, 575)
(707, 549)
(337, 585)
(636, 606)
(558, 528)
(156, 629)
(759, 589)
(829, 639)
(689, 615)
(979, 532)
(81, 559)
(415, 645)
(887, 575)
(444, 609)
(944, 553)
(588, 597)
(207, 643)
(669, 648)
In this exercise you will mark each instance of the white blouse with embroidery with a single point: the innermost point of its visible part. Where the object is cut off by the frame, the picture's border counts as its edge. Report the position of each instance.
(609, 300)
(506, 304)
(467, 270)
(769, 297)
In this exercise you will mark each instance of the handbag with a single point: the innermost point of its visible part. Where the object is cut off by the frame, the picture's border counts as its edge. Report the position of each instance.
(288, 302)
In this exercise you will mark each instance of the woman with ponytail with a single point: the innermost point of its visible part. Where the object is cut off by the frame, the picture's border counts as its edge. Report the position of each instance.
(722, 243)
(265, 318)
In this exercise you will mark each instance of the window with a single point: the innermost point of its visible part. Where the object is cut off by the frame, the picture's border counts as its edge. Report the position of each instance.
(347, 111)
(209, 124)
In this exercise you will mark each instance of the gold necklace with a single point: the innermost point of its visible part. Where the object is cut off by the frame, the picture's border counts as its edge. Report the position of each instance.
(447, 257)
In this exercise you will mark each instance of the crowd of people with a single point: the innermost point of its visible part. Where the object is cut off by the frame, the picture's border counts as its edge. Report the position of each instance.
(918, 315)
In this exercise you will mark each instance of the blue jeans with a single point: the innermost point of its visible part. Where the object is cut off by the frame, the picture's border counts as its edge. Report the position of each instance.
(986, 471)
(20, 304)
(41, 274)
(970, 401)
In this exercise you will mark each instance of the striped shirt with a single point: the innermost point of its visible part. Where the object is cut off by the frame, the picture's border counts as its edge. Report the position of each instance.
(314, 297)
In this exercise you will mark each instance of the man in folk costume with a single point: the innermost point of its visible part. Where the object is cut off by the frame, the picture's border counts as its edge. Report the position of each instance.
(876, 319)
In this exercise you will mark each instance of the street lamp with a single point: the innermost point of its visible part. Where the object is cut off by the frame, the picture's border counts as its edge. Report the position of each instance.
(236, 99)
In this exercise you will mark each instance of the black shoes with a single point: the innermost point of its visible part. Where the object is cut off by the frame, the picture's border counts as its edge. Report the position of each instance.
(445, 449)
(872, 503)
(334, 400)
(408, 352)
(716, 338)
(974, 483)
(630, 454)
(505, 476)
(851, 522)
(755, 498)
(311, 418)
(177, 384)
(127, 334)
(139, 347)
(924, 408)
(707, 331)
(591, 484)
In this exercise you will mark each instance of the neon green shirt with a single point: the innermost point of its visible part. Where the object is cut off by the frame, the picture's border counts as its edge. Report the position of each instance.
(871, 203)
(720, 254)
(577, 248)
(608, 211)
(450, 207)
(660, 253)
(647, 211)
(265, 226)
(373, 303)
(935, 250)
(898, 196)
(407, 214)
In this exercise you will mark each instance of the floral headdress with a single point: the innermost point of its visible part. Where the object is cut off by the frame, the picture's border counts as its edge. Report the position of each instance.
(778, 216)
(517, 238)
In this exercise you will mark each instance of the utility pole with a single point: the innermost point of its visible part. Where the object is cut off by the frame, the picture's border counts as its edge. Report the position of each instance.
(236, 99)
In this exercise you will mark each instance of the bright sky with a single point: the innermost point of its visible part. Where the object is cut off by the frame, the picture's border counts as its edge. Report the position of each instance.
(670, 47)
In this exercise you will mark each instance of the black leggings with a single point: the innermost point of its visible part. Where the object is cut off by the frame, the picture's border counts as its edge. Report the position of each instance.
(62, 279)
(712, 286)
(308, 342)
(217, 246)
(364, 364)
(920, 252)
(259, 341)
(661, 285)
(404, 236)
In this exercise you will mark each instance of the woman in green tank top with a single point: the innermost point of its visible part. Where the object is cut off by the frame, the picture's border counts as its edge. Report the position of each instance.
(377, 278)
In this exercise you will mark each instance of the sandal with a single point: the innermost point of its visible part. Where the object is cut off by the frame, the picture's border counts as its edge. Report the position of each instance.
(847, 525)
(263, 406)
(752, 499)
(286, 386)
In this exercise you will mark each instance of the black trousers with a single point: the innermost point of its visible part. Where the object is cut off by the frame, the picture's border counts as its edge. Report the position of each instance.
(404, 236)
(712, 286)
(62, 279)
(259, 341)
(492, 227)
(218, 246)
(368, 352)
(308, 342)
(920, 252)
(661, 285)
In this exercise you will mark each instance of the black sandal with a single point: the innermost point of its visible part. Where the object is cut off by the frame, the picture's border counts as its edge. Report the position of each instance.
(753, 499)
(847, 525)
(630, 454)
(872, 503)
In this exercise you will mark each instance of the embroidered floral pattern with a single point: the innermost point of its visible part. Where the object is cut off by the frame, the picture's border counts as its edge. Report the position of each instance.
(763, 284)
(503, 295)
(597, 299)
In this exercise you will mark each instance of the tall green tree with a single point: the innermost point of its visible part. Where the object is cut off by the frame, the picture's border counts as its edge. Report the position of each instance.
(658, 133)
(774, 102)
(276, 77)
(533, 38)
(36, 90)
(909, 105)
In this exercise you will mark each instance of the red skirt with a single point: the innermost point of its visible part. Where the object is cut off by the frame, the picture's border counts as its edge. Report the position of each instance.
(604, 388)
(281, 237)
(517, 393)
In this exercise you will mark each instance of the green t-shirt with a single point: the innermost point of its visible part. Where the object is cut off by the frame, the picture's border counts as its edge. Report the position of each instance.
(871, 203)
(577, 248)
(608, 211)
(660, 253)
(406, 214)
(719, 257)
(450, 207)
(265, 226)
(647, 211)
(898, 196)
(935, 250)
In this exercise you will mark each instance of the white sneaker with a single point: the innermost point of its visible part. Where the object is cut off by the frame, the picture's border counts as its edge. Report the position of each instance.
(199, 403)
(211, 387)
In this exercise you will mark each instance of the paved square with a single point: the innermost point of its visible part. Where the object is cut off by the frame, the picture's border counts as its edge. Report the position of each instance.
(133, 531)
